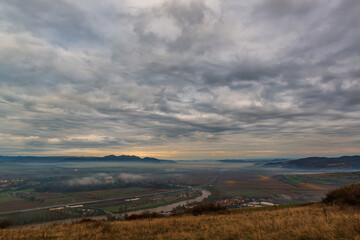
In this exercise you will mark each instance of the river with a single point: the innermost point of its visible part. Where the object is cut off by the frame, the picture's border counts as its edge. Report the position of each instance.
(168, 208)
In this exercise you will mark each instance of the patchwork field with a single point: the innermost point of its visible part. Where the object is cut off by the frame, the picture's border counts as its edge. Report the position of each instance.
(16, 204)
(28, 198)
(113, 193)
(142, 204)
(283, 188)
(324, 179)
(6, 198)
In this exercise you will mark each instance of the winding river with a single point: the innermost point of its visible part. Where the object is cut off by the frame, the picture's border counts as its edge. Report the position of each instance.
(168, 208)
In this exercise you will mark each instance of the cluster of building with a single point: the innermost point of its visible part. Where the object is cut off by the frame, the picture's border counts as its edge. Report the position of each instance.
(17, 183)
(241, 202)
(259, 204)
(132, 199)
(6, 183)
(67, 206)
(79, 210)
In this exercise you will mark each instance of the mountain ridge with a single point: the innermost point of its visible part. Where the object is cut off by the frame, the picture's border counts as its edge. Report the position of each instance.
(343, 162)
(109, 158)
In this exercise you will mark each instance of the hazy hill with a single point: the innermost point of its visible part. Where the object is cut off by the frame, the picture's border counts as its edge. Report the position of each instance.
(256, 161)
(110, 158)
(344, 162)
(232, 161)
(122, 158)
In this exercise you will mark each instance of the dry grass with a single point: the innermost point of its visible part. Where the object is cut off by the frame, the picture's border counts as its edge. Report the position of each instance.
(317, 221)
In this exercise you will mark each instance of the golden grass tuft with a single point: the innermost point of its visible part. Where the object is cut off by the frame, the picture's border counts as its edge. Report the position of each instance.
(316, 221)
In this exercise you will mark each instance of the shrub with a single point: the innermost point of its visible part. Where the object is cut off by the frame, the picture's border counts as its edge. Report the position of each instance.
(87, 220)
(145, 215)
(205, 208)
(348, 195)
(5, 223)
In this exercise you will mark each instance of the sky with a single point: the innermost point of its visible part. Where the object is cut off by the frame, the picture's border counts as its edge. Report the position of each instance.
(180, 79)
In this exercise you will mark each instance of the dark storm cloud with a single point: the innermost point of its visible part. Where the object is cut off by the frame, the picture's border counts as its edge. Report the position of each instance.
(125, 75)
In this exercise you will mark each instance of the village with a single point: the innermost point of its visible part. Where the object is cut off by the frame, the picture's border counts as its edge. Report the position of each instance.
(10, 183)
(245, 201)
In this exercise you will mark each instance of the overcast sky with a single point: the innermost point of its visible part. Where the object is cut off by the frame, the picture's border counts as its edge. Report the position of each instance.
(180, 79)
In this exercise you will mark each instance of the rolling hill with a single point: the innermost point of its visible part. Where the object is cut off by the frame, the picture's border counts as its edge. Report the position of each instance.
(344, 162)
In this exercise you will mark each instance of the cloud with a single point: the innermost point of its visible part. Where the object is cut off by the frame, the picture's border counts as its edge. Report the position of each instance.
(98, 179)
(188, 77)
(104, 179)
(129, 177)
(282, 8)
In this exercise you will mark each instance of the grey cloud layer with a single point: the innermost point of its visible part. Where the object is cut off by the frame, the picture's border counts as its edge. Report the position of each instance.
(120, 75)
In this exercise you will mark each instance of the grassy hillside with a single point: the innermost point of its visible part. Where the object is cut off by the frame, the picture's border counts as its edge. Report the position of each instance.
(338, 217)
(317, 221)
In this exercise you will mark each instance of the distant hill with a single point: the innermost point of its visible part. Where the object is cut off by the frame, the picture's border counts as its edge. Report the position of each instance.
(110, 158)
(232, 161)
(344, 162)
(256, 161)
(122, 158)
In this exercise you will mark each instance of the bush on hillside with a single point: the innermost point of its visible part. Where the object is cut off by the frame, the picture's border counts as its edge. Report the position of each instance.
(5, 223)
(348, 195)
(205, 208)
(87, 220)
(145, 215)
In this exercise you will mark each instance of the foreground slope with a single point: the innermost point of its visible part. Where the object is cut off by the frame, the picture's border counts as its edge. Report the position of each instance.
(316, 221)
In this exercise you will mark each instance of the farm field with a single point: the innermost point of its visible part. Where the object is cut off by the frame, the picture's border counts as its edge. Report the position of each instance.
(321, 180)
(255, 185)
(283, 188)
(59, 198)
(119, 192)
(17, 204)
(6, 198)
(142, 204)
(19, 200)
